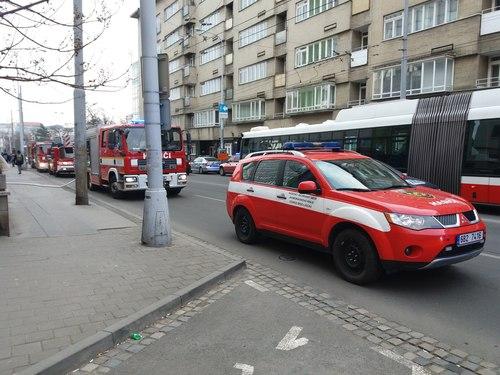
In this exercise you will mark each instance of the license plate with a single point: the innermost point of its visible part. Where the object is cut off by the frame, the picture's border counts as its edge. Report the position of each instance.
(468, 238)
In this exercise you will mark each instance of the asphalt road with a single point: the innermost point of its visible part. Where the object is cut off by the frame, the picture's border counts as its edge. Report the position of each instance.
(237, 333)
(459, 305)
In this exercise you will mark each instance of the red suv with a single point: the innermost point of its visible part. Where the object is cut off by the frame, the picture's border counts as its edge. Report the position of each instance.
(369, 218)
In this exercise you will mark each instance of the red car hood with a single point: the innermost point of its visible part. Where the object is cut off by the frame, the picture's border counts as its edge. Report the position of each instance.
(416, 201)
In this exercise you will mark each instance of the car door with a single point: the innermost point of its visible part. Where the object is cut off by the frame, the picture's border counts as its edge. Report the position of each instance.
(301, 215)
(263, 191)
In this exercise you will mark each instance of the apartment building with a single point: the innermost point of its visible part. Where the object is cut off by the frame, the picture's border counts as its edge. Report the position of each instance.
(279, 63)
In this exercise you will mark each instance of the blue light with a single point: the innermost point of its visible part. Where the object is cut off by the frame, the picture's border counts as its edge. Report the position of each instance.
(297, 145)
(332, 146)
(137, 122)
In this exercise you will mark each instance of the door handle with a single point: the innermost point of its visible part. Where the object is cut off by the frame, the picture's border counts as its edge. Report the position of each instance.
(281, 196)
(250, 190)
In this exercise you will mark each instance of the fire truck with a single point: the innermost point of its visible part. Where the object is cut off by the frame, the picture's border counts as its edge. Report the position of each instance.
(62, 160)
(117, 159)
(41, 155)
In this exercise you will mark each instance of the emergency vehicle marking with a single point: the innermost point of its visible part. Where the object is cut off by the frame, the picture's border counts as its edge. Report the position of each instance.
(443, 202)
(106, 160)
(342, 210)
(417, 194)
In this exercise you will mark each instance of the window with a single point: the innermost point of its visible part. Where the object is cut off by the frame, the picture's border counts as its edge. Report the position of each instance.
(310, 98)
(210, 21)
(170, 10)
(253, 72)
(158, 24)
(248, 170)
(205, 118)
(172, 38)
(421, 17)
(174, 65)
(295, 173)
(210, 54)
(246, 3)
(251, 110)
(422, 77)
(209, 87)
(253, 33)
(482, 152)
(175, 93)
(314, 52)
(309, 8)
(267, 172)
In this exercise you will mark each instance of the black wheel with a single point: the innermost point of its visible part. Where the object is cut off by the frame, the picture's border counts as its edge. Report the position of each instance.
(221, 171)
(90, 185)
(355, 257)
(172, 192)
(245, 226)
(114, 188)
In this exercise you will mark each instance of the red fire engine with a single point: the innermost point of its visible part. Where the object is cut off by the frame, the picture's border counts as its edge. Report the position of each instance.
(62, 160)
(117, 155)
(40, 154)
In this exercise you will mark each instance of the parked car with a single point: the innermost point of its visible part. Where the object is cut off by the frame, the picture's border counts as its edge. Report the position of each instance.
(369, 218)
(229, 166)
(205, 164)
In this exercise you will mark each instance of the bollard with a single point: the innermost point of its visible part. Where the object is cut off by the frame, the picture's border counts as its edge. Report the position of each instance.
(4, 207)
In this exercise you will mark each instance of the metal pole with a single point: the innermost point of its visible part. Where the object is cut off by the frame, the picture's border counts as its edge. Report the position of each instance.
(404, 59)
(81, 192)
(222, 99)
(21, 121)
(156, 230)
(11, 132)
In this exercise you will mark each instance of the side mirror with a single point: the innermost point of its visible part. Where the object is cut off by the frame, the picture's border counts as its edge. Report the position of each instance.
(308, 187)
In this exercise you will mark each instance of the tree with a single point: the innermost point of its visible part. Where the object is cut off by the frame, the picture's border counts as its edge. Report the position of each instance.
(37, 44)
(42, 134)
(96, 116)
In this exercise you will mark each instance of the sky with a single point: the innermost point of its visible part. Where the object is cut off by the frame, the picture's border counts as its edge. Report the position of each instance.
(114, 51)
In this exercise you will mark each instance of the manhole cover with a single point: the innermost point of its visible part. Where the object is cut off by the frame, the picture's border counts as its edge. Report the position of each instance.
(287, 258)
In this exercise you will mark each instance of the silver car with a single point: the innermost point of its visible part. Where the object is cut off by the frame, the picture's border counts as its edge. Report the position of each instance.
(205, 164)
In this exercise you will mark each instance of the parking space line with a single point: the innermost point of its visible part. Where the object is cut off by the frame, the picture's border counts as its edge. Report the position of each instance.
(254, 285)
(214, 199)
(490, 255)
(415, 369)
(245, 369)
(290, 341)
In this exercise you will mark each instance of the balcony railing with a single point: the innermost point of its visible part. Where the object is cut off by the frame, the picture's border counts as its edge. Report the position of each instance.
(280, 80)
(354, 103)
(359, 57)
(229, 24)
(490, 21)
(280, 37)
(229, 59)
(484, 83)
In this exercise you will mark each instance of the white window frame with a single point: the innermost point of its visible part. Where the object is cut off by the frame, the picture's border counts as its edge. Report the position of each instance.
(210, 21)
(174, 65)
(306, 9)
(171, 10)
(324, 97)
(205, 119)
(252, 34)
(246, 3)
(412, 11)
(176, 35)
(303, 56)
(252, 73)
(395, 92)
(158, 24)
(210, 86)
(257, 110)
(175, 93)
(210, 54)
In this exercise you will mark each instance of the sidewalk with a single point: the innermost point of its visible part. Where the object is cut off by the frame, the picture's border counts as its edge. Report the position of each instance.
(68, 272)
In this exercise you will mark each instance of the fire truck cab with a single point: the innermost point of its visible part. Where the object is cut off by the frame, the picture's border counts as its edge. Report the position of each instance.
(41, 156)
(62, 160)
(117, 159)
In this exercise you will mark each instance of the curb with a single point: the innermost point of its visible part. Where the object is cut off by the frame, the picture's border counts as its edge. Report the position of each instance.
(77, 354)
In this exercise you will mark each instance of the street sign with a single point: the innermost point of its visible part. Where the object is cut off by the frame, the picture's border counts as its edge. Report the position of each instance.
(223, 108)
(223, 115)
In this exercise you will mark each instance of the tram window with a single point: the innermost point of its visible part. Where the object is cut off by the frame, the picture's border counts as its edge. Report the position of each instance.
(365, 133)
(326, 136)
(315, 137)
(351, 143)
(338, 135)
(482, 152)
(364, 146)
(384, 131)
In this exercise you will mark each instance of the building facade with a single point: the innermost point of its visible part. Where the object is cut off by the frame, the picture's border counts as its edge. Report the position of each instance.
(279, 63)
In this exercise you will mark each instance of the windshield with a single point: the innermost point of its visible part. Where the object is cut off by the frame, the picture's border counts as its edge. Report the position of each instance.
(359, 175)
(171, 140)
(136, 139)
(67, 152)
(209, 158)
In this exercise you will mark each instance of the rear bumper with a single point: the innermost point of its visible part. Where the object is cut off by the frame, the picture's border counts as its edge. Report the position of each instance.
(69, 169)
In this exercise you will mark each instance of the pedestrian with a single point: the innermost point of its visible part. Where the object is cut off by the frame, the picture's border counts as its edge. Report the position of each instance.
(19, 160)
(13, 158)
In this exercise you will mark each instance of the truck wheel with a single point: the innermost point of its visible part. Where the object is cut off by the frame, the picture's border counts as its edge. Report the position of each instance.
(355, 257)
(221, 171)
(245, 226)
(114, 188)
(172, 192)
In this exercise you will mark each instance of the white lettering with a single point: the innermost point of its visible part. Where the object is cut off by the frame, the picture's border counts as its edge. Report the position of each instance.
(290, 340)
(245, 369)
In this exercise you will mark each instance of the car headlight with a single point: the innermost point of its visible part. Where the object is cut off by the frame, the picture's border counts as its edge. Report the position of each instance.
(414, 222)
(130, 179)
(182, 177)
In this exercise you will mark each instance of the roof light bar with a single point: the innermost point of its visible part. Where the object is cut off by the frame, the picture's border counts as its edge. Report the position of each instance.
(324, 146)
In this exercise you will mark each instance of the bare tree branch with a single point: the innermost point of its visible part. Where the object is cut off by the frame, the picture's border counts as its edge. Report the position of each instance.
(21, 7)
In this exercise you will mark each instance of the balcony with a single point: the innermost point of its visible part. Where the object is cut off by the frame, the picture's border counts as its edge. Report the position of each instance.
(490, 21)
(280, 37)
(359, 57)
(280, 80)
(484, 83)
(229, 24)
(187, 101)
(229, 58)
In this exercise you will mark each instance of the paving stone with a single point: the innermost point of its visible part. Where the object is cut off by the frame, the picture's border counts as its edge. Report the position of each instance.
(33, 347)
(350, 327)
(136, 348)
(453, 358)
(89, 367)
(374, 339)
(469, 365)
(157, 335)
(486, 371)
(103, 370)
(417, 335)
(488, 364)
(427, 346)
(458, 353)
(441, 353)
(410, 355)
(421, 361)
(425, 354)
(395, 341)
(436, 369)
